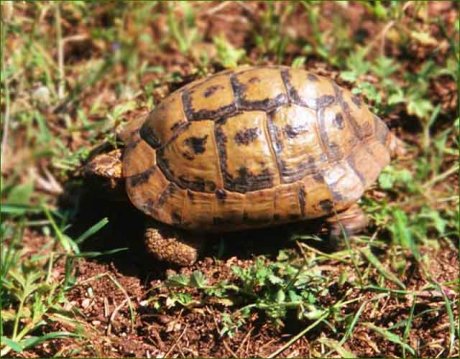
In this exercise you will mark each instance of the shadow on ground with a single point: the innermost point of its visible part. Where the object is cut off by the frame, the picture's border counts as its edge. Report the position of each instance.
(90, 203)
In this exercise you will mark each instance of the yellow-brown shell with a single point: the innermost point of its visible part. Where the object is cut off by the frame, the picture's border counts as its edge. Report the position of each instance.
(254, 147)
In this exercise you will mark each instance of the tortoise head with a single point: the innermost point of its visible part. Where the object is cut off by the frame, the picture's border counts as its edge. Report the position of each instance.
(105, 165)
(105, 169)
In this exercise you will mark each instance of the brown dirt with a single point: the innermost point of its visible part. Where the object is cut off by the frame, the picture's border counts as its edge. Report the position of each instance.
(101, 300)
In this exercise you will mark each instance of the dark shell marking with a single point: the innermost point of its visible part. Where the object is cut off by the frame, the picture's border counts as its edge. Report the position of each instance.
(198, 184)
(211, 90)
(193, 115)
(301, 195)
(326, 205)
(267, 104)
(170, 190)
(312, 78)
(346, 110)
(221, 194)
(338, 121)
(356, 100)
(294, 97)
(141, 178)
(196, 144)
(294, 131)
(246, 136)
(149, 136)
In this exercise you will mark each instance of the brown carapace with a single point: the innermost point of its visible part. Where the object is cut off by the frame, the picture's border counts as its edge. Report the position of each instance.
(253, 147)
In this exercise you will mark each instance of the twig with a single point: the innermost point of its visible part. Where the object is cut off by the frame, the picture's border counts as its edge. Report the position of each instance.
(60, 51)
(113, 315)
(6, 121)
(217, 8)
(48, 184)
(441, 176)
(384, 36)
(75, 38)
(120, 287)
(246, 337)
(264, 345)
(229, 349)
(175, 343)
(380, 36)
(323, 254)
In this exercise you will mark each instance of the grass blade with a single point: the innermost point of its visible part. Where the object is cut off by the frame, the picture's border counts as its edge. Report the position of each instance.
(95, 254)
(353, 324)
(372, 259)
(336, 346)
(450, 314)
(92, 230)
(392, 337)
(33, 341)
(17, 347)
(408, 325)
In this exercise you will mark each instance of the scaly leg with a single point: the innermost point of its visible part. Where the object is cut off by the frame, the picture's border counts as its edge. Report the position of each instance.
(351, 221)
(172, 245)
(397, 147)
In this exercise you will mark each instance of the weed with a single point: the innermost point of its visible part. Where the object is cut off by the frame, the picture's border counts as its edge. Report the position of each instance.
(227, 55)
(269, 288)
(182, 30)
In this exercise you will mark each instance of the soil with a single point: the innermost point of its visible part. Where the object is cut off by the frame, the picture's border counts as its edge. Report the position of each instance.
(108, 290)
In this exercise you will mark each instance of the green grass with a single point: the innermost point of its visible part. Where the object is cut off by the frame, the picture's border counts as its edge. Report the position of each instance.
(59, 103)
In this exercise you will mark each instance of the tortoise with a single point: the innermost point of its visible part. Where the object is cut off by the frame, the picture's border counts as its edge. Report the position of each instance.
(246, 148)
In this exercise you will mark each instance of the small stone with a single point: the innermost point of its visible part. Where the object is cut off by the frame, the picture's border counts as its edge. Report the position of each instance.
(85, 303)
(42, 95)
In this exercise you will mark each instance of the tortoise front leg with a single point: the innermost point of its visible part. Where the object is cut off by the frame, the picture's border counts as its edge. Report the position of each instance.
(351, 221)
(172, 245)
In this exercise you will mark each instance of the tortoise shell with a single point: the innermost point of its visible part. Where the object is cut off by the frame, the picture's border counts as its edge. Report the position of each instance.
(252, 147)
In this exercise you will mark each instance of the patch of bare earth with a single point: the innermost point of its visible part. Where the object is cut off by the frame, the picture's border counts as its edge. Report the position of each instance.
(118, 317)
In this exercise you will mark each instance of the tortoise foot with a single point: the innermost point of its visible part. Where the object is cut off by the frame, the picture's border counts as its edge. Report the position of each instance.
(349, 222)
(172, 245)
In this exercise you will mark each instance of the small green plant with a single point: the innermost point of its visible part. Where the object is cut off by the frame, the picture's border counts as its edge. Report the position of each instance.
(183, 30)
(270, 37)
(228, 55)
(270, 288)
(30, 295)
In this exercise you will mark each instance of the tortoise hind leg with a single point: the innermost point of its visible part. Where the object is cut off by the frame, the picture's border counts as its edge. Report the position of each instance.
(172, 245)
(351, 221)
(396, 147)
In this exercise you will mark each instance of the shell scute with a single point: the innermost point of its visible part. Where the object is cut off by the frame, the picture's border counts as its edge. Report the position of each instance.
(259, 89)
(165, 121)
(246, 166)
(289, 202)
(259, 207)
(190, 159)
(336, 133)
(307, 89)
(295, 137)
(210, 99)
